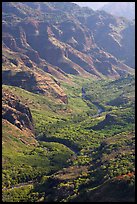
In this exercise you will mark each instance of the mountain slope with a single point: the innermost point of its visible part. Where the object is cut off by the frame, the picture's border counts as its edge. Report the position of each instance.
(122, 9)
(68, 104)
(70, 45)
(110, 191)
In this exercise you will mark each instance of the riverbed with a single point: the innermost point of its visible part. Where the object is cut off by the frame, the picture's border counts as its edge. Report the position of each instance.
(100, 109)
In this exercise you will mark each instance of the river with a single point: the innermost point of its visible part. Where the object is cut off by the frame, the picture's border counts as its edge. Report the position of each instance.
(100, 109)
(65, 142)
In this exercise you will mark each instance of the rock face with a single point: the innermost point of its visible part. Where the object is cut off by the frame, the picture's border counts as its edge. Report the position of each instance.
(67, 38)
(23, 73)
(22, 79)
(44, 42)
(14, 111)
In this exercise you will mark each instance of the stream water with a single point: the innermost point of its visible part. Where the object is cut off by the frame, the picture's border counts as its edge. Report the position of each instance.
(100, 109)
(66, 142)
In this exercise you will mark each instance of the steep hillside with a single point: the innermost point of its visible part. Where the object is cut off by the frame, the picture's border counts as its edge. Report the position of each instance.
(110, 191)
(91, 155)
(72, 42)
(92, 5)
(24, 159)
(68, 104)
(16, 112)
(19, 70)
(125, 9)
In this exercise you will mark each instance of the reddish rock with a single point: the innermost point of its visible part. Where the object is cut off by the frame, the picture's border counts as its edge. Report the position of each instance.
(16, 112)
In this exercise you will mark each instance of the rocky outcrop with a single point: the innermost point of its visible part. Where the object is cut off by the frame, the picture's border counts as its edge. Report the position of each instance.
(75, 40)
(14, 111)
(63, 39)
(64, 99)
(36, 82)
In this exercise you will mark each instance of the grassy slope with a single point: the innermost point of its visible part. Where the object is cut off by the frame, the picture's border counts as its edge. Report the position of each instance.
(23, 162)
(71, 121)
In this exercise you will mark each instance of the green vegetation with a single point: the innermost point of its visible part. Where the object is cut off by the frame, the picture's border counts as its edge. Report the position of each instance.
(68, 127)
(69, 135)
(22, 163)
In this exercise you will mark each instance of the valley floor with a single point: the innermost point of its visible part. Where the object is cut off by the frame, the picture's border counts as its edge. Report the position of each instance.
(81, 150)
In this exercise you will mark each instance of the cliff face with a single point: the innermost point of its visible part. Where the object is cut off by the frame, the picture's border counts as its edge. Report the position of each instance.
(43, 45)
(44, 42)
(19, 70)
(69, 39)
(14, 111)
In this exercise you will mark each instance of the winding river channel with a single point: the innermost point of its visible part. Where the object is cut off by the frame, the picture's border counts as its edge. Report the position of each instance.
(100, 109)
(65, 142)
